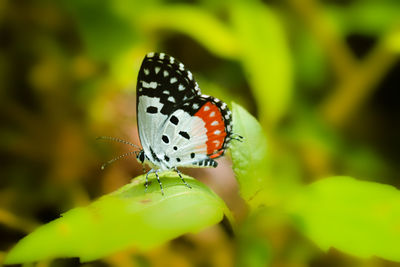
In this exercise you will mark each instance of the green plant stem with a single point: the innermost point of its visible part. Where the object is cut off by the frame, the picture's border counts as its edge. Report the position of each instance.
(352, 92)
(12, 221)
(342, 60)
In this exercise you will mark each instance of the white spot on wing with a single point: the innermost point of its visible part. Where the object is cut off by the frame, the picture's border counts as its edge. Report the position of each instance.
(162, 55)
(171, 99)
(195, 106)
(217, 132)
(157, 69)
(214, 123)
(181, 67)
(149, 85)
(166, 92)
(151, 54)
(212, 114)
(181, 87)
(206, 108)
(165, 73)
(173, 80)
(146, 71)
(190, 75)
(171, 59)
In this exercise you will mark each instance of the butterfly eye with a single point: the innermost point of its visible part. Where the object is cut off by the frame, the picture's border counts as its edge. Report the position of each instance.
(140, 156)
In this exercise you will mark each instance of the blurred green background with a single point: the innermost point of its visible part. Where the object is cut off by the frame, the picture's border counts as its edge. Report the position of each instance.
(323, 78)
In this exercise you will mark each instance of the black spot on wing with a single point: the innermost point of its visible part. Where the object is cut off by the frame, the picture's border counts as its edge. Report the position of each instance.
(165, 139)
(174, 120)
(153, 155)
(152, 110)
(184, 134)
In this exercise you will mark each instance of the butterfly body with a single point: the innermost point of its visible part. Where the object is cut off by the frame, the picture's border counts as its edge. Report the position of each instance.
(178, 126)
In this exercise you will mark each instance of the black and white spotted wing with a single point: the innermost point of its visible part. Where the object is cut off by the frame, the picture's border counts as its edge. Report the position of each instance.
(178, 126)
(165, 78)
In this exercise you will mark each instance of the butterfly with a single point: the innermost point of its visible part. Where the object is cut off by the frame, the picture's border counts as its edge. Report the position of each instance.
(178, 126)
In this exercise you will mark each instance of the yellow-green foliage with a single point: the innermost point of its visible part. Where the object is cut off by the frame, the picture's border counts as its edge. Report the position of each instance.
(317, 83)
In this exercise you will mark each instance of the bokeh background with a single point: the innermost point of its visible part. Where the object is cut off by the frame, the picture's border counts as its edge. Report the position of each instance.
(323, 78)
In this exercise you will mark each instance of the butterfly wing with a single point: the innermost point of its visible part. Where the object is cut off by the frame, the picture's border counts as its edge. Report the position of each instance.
(195, 133)
(163, 84)
(178, 126)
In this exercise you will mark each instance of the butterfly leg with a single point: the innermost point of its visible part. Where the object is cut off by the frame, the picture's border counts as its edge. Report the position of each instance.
(158, 179)
(183, 180)
(143, 168)
(146, 184)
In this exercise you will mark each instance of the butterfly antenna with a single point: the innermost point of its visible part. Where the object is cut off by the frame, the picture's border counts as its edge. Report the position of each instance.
(109, 138)
(117, 158)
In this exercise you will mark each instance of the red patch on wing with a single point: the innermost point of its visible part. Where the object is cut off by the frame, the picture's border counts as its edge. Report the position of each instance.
(215, 125)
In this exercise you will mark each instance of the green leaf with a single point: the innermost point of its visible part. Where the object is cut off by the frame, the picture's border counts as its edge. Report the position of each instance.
(357, 217)
(265, 56)
(128, 217)
(196, 23)
(249, 157)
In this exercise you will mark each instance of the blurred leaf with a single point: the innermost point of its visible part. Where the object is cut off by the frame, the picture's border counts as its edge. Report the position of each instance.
(365, 17)
(358, 217)
(129, 217)
(316, 143)
(196, 23)
(363, 161)
(106, 34)
(392, 40)
(254, 248)
(323, 149)
(265, 57)
(249, 157)
(310, 61)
